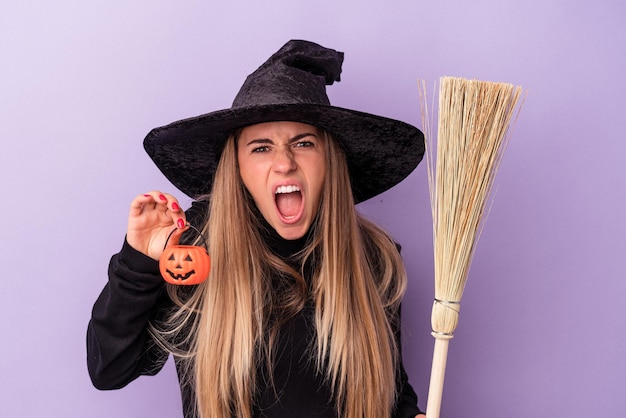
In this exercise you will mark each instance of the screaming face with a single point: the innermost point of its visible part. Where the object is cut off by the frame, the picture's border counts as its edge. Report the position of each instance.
(282, 165)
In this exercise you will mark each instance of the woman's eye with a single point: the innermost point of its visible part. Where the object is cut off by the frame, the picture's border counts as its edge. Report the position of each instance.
(260, 149)
(304, 144)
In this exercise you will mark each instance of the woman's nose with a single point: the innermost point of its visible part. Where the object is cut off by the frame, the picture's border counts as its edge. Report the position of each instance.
(284, 161)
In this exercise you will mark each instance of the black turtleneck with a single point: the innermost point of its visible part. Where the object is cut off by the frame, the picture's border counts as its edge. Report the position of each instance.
(119, 348)
(299, 390)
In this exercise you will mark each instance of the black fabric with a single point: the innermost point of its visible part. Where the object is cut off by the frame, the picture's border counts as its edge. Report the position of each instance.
(290, 86)
(119, 349)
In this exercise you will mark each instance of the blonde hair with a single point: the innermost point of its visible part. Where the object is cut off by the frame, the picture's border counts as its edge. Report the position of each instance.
(357, 286)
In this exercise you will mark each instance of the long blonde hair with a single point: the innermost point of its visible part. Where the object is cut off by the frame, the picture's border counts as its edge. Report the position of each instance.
(357, 286)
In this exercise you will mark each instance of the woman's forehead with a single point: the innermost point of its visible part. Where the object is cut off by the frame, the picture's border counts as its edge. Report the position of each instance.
(276, 128)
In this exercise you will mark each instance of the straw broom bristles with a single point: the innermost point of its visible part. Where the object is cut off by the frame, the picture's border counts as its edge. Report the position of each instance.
(474, 117)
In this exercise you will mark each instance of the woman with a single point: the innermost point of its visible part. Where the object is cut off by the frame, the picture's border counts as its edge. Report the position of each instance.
(299, 316)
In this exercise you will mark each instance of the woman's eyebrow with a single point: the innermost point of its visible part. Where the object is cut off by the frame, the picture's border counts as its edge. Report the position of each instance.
(260, 141)
(300, 136)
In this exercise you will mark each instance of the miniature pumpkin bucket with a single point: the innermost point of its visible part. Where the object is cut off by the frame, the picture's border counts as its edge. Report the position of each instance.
(185, 264)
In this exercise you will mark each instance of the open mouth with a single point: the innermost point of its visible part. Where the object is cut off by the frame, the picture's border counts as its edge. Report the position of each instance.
(289, 202)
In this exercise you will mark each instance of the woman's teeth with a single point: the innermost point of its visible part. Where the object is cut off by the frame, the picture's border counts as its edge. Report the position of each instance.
(287, 189)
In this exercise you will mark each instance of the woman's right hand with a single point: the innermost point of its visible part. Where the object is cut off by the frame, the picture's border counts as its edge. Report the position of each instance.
(153, 216)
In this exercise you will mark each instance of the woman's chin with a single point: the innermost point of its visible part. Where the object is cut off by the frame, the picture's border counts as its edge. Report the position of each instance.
(291, 231)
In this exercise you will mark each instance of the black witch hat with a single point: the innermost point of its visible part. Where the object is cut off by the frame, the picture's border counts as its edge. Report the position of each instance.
(290, 86)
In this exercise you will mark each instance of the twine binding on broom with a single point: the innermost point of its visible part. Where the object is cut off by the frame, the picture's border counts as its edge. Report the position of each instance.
(454, 306)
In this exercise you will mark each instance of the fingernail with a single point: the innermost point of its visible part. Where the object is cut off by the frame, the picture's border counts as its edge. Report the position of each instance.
(175, 206)
(162, 197)
(147, 195)
(180, 223)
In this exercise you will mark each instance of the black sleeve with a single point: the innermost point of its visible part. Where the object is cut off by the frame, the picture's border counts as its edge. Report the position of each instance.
(119, 348)
(406, 405)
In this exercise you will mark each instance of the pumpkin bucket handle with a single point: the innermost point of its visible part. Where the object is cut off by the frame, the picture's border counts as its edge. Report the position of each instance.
(196, 230)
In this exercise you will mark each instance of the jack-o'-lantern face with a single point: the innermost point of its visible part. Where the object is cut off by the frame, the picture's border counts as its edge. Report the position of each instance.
(184, 264)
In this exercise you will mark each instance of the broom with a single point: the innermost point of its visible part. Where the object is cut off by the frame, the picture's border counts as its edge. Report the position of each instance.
(474, 117)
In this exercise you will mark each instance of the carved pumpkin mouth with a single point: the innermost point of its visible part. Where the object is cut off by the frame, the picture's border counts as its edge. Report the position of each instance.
(180, 277)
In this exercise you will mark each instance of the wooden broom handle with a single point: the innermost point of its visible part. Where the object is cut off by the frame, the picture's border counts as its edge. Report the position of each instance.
(437, 374)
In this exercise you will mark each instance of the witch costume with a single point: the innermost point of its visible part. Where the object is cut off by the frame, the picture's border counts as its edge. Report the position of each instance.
(290, 86)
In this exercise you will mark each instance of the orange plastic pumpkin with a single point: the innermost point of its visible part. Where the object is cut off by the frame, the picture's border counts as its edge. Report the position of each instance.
(185, 264)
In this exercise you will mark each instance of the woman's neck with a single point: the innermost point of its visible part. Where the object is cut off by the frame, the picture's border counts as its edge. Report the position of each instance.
(283, 248)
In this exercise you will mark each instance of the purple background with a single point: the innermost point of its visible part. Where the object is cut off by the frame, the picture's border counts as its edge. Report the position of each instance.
(542, 329)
